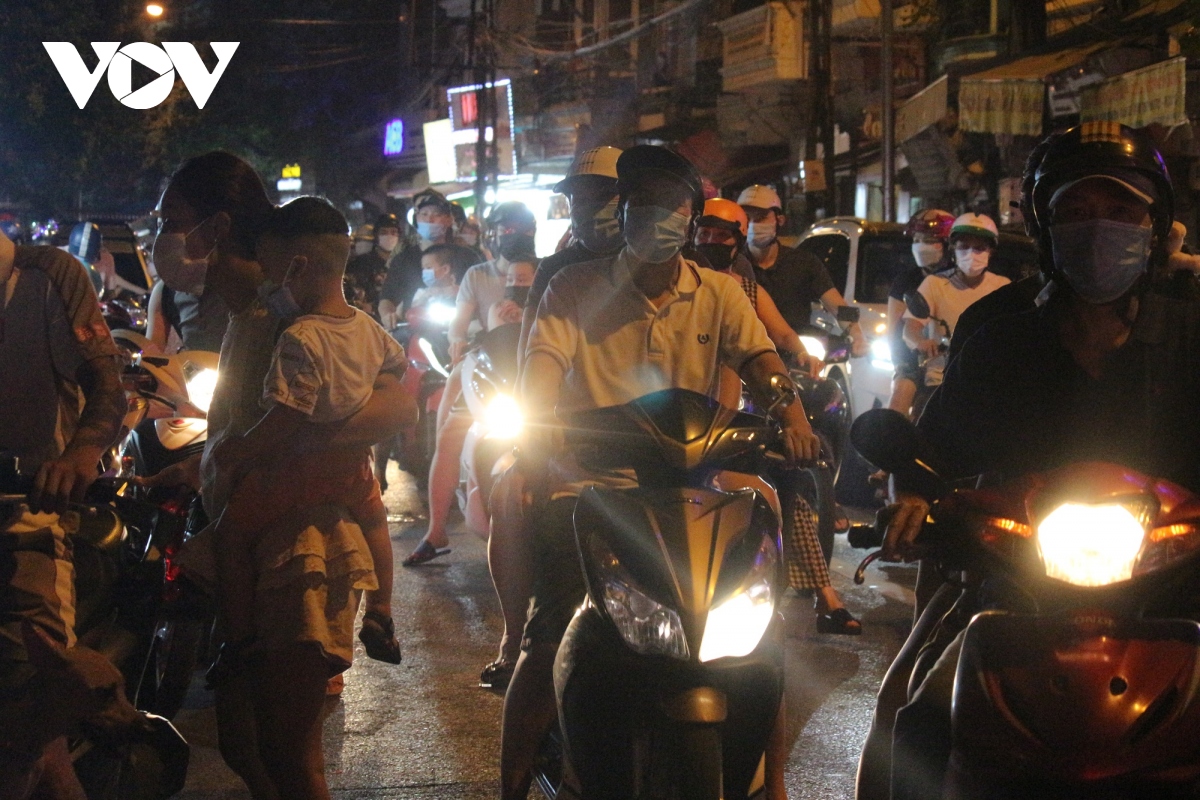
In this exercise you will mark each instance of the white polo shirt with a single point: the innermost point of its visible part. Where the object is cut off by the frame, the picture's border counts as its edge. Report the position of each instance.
(614, 346)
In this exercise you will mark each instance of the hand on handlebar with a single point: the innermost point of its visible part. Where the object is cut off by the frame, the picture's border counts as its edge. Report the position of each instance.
(64, 480)
(801, 444)
(908, 516)
(457, 350)
(810, 364)
(929, 347)
(183, 473)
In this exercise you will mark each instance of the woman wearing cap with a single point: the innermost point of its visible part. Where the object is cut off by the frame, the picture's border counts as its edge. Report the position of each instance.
(972, 240)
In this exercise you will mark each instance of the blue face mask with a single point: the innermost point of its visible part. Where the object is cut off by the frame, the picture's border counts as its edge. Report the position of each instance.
(655, 234)
(278, 298)
(1100, 259)
(429, 277)
(431, 231)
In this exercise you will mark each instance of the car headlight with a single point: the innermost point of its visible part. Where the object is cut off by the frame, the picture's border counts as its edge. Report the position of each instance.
(735, 627)
(1090, 545)
(646, 625)
(441, 313)
(881, 354)
(200, 388)
(503, 417)
(814, 346)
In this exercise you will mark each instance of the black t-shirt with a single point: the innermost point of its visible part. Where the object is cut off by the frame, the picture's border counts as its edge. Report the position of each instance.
(1011, 298)
(551, 265)
(1015, 401)
(795, 281)
(403, 278)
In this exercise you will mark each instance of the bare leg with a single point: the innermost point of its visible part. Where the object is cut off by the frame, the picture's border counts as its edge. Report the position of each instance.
(235, 570)
(291, 695)
(237, 735)
(903, 393)
(777, 755)
(529, 711)
(443, 475)
(379, 542)
(510, 560)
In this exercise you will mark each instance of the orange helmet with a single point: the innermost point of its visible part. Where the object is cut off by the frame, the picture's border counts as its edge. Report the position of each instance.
(722, 213)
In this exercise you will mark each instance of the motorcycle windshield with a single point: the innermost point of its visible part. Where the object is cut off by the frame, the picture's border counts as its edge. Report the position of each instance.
(664, 433)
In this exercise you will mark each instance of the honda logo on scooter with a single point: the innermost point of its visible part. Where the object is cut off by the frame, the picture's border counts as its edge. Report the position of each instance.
(118, 61)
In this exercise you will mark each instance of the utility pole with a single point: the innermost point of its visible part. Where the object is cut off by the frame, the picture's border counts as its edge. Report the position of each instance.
(889, 111)
(818, 22)
(481, 56)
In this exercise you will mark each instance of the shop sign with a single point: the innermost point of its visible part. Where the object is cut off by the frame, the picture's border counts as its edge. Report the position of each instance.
(1156, 93)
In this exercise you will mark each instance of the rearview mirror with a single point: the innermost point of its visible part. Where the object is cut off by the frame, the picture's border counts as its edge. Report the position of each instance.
(917, 305)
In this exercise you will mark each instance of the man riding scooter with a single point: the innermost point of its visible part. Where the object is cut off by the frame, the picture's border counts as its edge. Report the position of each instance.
(606, 334)
(1105, 367)
(54, 350)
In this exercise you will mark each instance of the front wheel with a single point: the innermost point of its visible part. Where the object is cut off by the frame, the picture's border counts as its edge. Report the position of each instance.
(174, 655)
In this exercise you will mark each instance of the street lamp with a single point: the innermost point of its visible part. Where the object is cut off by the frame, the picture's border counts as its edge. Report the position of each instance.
(154, 10)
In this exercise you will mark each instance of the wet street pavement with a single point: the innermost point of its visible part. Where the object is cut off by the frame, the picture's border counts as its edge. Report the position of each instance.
(423, 729)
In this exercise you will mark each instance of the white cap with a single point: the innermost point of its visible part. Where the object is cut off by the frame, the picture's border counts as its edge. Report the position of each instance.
(759, 196)
(599, 161)
(980, 225)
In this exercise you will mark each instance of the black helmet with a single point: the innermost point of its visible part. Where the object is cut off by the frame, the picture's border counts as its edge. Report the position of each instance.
(85, 242)
(1104, 148)
(431, 197)
(385, 221)
(645, 160)
(511, 214)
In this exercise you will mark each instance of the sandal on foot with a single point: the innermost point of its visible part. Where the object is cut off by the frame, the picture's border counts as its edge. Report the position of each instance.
(839, 621)
(378, 635)
(424, 553)
(231, 660)
(497, 674)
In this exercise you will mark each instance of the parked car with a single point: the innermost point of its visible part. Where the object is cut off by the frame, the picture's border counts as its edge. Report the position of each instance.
(863, 258)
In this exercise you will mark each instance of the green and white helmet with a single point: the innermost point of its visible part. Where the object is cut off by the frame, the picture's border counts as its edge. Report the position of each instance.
(980, 225)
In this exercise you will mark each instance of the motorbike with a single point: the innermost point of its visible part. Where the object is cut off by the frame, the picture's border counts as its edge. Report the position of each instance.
(669, 678)
(1076, 675)
(122, 585)
(425, 337)
(489, 384)
(932, 367)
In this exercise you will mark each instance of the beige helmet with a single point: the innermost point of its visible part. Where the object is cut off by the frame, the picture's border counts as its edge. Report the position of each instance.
(759, 196)
(599, 161)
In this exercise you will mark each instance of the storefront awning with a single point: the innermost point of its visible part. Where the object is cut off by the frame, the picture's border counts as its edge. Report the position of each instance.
(1139, 97)
(1009, 98)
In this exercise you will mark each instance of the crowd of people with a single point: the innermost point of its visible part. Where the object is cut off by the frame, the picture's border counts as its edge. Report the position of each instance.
(660, 285)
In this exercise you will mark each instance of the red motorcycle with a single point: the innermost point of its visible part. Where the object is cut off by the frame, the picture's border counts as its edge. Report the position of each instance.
(1078, 673)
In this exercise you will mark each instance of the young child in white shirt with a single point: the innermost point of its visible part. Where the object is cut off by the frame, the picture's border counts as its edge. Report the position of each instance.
(323, 370)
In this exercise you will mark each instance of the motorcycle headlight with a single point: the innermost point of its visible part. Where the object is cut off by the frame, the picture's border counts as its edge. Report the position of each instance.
(881, 354)
(736, 626)
(200, 388)
(646, 625)
(1090, 545)
(503, 417)
(814, 346)
(441, 313)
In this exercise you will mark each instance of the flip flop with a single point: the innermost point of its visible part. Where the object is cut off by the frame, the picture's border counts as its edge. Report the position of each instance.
(378, 635)
(496, 675)
(839, 621)
(424, 553)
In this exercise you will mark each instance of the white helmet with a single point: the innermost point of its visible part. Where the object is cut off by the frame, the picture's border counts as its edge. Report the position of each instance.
(979, 225)
(759, 196)
(599, 161)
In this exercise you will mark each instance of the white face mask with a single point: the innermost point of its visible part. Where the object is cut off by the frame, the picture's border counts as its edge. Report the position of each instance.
(761, 234)
(388, 242)
(927, 253)
(172, 264)
(971, 263)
